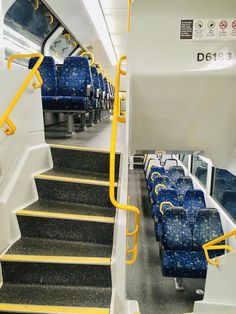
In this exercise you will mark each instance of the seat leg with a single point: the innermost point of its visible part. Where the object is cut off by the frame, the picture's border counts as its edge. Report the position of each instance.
(70, 124)
(91, 119)
(179, 286)
(82, 121)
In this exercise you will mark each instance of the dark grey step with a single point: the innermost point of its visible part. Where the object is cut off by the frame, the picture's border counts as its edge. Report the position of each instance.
(96, 297)
(71, 208)
(138, 166)
(56, 274)
(46, 247)
(81, 193)
(77, 174)
(66, 229)
(91, 161)
(138, 159)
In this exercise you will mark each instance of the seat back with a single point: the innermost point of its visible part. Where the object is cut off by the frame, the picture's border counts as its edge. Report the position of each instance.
(162, 180)
(151, 162)
(167, 195)
(176, 232)
(207, 227)
(106, 87)
(182, 185)
(193, 201)
(75, 77)
(47, 70)
(95, 78)
(175, 173)
(155, 172)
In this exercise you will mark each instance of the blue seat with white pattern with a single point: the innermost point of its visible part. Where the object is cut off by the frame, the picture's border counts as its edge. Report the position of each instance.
(101, 79)
(159, 181)
(193, 201)
(170, 198)
(182, 254)
(155, 171)
(182, 185)
(175, 172)
(97, 87)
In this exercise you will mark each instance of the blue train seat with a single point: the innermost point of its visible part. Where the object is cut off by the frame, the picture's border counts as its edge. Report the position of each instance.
(151, 162)
(155, 172)
(166, 198)
(48, 73)
(175, 172)
(182, 185)
(102, 84)
(182, 254)
(74, 90)
(193, 201)
(107, 93)
(162, 180)
(97, 93)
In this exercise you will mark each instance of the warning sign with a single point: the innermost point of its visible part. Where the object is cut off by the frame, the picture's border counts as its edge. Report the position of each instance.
(186, 29)
(223, 24)
(234, 24)
(208, 29)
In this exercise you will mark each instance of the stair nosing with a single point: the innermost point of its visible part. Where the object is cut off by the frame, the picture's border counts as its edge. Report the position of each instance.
(81, 148)
(101, 261)
(48, 214)
(44, 309)
(73, 180)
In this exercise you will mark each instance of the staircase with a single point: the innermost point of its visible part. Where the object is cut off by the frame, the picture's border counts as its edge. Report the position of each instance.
(62, 262)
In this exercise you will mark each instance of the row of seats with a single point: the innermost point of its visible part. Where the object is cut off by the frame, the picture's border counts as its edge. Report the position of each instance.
(182, 221)
(78, 88)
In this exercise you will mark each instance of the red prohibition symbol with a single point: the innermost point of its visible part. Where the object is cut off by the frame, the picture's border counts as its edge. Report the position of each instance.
(234, 24)
(224, 24)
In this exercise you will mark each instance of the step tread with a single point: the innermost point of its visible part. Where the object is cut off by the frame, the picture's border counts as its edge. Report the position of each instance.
(71, 208)
(77, 174)
(91, 297)
(48, 247)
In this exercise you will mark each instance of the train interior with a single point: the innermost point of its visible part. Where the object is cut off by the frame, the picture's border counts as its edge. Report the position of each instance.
(117, 156)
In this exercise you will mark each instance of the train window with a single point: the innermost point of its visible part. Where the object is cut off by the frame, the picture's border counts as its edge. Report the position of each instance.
(224, 190)
(63, 46)
(184, 159)
(200, 169)
(26, 25)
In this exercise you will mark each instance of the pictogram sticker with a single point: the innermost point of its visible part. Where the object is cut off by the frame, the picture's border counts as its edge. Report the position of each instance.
(223, 24)
(234, 24)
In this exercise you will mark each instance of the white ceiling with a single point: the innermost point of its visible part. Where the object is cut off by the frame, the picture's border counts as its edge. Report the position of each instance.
(115, 12)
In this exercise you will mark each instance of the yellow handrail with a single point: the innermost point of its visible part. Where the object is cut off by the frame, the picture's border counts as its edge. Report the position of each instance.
(129, 14)
(11, 129)
(99, 66)
(128, 208)
(89, 54)
(211, 246)
(165, 203)
(155, 172)
(159, 185)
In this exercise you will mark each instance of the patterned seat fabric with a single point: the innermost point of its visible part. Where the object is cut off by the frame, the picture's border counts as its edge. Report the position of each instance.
(163, 180)
(48, 73)
(184, 264)
(207, 228)
(193, 201)
(151, 162)
(182, 185)
(154, 173)
(175, 173)
(96, 85)
(102, 89)
(107, 92)
(176, 232)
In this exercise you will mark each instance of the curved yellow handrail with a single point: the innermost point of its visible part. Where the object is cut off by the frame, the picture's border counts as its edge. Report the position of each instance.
(159, 185)
(89, 54)
(165, 203)
(128, 208)
(11, 129)
(155, 172)
(211, 246)
(36, 5)
(67, 36)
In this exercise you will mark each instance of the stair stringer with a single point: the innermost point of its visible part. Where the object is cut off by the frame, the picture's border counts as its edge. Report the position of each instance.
(219, 296)
(21, 155)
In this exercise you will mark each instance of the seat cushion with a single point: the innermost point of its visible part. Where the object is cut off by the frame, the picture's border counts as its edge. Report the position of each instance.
(67, 103)
(184, 264)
